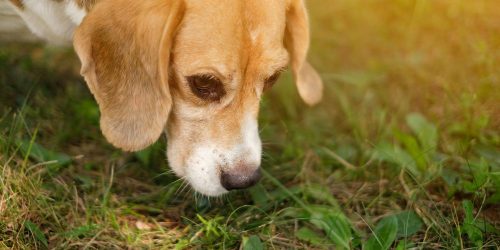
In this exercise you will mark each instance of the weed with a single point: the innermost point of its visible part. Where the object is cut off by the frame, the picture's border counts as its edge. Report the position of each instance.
(403, 152)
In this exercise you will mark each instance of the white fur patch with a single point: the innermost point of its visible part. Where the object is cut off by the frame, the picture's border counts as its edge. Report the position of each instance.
(206, 162)
(251, 140)
(203, 171)
(75, 12)
(48, 20)
(12, 26)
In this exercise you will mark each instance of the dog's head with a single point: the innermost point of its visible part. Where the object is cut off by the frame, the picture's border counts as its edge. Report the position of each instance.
(196, 69)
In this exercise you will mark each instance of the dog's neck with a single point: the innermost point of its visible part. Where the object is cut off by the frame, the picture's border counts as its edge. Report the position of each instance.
(53, 20)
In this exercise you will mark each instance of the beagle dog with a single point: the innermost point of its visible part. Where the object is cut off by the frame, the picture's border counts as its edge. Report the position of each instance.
(194, 69)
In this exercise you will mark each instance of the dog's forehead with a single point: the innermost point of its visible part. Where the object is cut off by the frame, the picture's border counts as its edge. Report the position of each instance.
(227, 33)
(264, 20)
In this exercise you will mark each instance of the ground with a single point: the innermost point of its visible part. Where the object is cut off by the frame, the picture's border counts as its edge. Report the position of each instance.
(404, 151)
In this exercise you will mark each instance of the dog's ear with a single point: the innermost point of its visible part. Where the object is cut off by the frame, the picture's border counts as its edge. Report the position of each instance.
(124, 47)
(307, 79)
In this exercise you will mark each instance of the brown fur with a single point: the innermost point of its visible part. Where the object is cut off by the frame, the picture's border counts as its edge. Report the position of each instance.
(125, 62)
(86, 4)
(124, 56)
(297, 41)
(17, 3)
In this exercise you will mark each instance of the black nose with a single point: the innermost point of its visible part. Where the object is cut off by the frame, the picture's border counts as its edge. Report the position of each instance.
(239, 179)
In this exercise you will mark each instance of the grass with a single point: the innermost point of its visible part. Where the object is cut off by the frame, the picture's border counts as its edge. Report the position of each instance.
(404, 151)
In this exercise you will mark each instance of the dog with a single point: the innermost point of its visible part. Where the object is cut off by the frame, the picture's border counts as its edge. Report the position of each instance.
(194, 69)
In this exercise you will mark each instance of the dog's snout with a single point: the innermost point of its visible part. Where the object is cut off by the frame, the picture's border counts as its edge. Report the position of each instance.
(239, 179)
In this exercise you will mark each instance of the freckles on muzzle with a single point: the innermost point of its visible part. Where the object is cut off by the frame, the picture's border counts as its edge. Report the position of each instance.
(211, 173)
(212, 167)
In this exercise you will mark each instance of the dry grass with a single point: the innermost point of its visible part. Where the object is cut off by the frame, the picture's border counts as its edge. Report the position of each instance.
(358, 155)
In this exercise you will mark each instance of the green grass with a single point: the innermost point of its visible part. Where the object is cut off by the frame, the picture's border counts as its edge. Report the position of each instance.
(404, 151)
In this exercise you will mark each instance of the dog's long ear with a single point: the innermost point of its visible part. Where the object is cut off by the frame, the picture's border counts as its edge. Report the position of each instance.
(307, 79)
(124, 47)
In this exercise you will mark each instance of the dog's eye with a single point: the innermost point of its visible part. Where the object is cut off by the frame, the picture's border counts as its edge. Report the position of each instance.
(270, 81)
(206, 87)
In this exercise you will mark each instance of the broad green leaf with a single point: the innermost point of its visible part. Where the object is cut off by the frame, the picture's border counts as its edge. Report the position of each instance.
(394, 154)
(405, 244)
(408, 223)
(469, 227)
(259, 195)
(474, 234)
(336, 227)
(308, 235)
(384, 234)
(37, 233)
(321, 193)
(296, 213)
(425, 131)
(486, 227)
(41, 154)
(413, 148)
(468, 209)
(480, 174)
(252, 243)
(280, 194)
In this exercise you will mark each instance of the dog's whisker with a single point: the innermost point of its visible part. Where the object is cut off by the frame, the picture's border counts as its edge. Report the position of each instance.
(171, 183)
(170, 171)
(176, 193)
(165, 173)
(181, 187)
(185, 185)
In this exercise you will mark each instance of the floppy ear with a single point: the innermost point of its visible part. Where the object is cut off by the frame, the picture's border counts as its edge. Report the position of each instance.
(307, 79)
(124, 47)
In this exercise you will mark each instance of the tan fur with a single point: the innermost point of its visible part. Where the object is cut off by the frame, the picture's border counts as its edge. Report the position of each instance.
(125, 62)
(307, 79)
(125, 55)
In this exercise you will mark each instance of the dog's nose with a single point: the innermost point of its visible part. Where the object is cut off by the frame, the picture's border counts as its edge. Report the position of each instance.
(239, 179)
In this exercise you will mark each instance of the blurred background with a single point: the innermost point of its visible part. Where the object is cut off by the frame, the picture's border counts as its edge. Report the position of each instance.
(404, 151)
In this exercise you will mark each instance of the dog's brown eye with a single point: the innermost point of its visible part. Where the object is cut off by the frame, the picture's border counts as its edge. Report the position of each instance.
(270, 81)
(206, 87)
